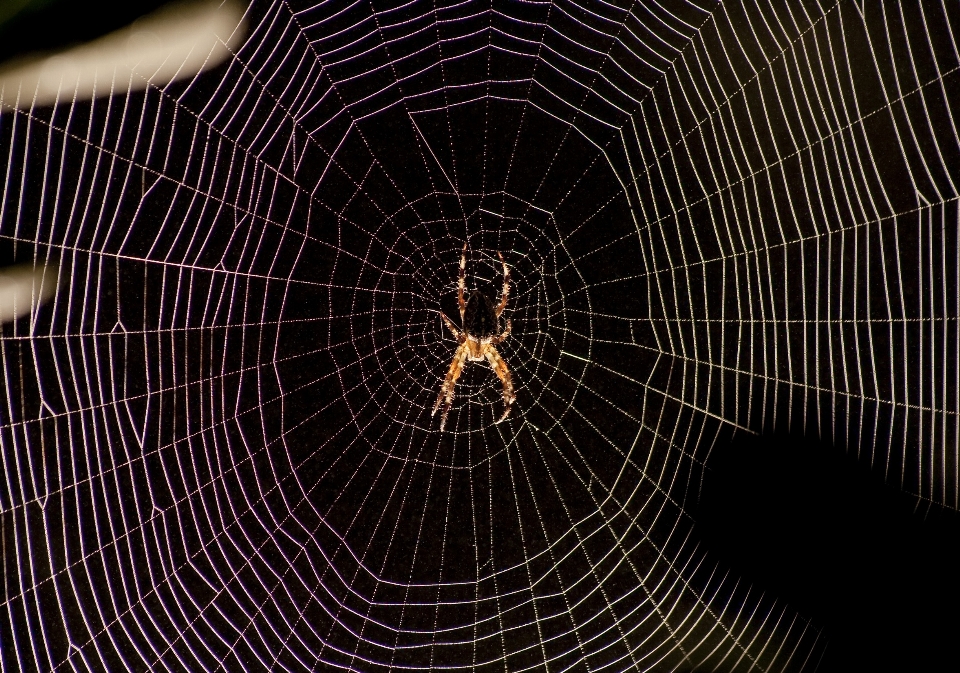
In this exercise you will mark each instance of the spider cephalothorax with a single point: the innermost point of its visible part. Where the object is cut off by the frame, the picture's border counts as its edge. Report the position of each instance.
(480, 321)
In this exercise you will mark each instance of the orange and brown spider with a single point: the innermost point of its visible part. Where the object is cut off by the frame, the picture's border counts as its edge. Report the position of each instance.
(478, 338)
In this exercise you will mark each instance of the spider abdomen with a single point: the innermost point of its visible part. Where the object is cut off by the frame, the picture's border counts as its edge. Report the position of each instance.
(480, 316)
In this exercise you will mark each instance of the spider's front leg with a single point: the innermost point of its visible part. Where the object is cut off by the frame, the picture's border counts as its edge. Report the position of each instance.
(503, 372)
(446, 391)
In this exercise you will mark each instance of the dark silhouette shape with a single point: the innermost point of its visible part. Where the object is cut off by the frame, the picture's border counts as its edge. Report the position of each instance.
(879, 570)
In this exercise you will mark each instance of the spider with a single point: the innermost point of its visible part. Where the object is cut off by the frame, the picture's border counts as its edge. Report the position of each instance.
(478, 338)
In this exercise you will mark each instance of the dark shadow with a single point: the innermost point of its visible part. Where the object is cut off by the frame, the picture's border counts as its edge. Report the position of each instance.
(878, 570)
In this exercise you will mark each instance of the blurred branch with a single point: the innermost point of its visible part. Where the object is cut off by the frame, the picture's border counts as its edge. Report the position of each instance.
(176, 42)
(24, 287)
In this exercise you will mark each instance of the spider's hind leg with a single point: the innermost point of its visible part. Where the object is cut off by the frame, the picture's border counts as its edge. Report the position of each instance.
(462, 283)
(450, 325)
(504, 334)
(505, 293)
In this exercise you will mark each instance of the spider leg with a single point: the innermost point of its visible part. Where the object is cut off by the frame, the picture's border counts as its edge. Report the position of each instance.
(503, 372)
(450, 325)
(505, 293)
(504, 334)
(446, 391)
(462, 283)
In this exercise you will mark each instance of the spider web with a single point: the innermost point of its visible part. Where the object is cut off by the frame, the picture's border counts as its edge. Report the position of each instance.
(217, 445)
